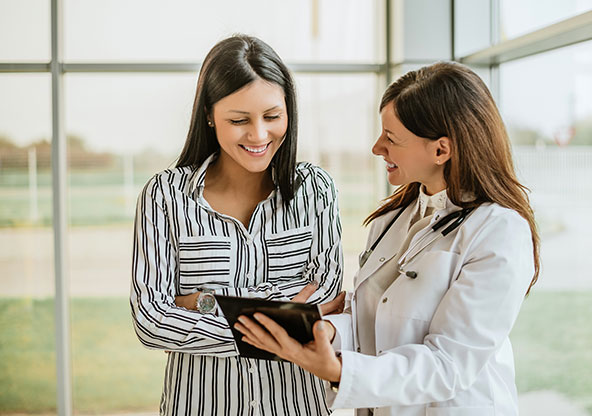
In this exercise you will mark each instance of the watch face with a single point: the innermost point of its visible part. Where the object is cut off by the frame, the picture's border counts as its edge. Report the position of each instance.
(206, 302)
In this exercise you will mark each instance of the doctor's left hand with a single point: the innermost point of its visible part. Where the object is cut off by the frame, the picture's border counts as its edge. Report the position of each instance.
(317, 357)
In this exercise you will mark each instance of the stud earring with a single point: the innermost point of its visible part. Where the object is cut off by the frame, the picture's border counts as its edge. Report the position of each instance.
(210, 123)
(437, 162)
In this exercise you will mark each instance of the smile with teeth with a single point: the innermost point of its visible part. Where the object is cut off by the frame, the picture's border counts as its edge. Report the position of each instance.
(390, 165)
(258, 149)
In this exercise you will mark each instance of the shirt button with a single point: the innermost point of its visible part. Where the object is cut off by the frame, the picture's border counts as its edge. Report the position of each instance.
(249, 276)
(252, 370)
(381, 259)
(249, 240)
(384, 300)
(253, 403)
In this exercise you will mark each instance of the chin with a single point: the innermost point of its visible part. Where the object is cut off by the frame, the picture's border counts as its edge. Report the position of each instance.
(256, 166)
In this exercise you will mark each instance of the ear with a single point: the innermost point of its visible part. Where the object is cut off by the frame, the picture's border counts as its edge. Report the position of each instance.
(442, 150)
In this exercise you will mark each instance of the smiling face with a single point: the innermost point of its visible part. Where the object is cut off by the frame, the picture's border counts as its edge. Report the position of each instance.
(250, 125)
(410, 158)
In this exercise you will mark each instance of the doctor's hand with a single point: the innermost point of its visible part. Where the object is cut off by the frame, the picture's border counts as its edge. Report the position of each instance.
(317, 357)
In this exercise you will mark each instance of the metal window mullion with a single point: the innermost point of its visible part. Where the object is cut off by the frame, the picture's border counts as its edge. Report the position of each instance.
(567, 32)
(59, 169)
(495, 36)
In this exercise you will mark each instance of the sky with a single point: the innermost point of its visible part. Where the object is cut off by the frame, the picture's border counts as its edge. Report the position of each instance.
(125, 113)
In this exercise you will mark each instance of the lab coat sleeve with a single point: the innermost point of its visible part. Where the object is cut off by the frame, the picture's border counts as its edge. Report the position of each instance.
(473, 319)
(344, 334)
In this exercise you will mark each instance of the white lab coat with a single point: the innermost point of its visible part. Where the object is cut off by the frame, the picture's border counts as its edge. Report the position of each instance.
(442, 345)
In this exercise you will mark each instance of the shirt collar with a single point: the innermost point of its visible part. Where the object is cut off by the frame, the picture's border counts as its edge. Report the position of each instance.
(438, 201)
(199, 179)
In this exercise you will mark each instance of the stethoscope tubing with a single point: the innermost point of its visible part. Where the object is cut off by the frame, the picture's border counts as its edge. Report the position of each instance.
(458, 217)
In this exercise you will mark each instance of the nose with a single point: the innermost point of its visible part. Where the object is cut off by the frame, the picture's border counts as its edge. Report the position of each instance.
(378, 149)
(259, 132)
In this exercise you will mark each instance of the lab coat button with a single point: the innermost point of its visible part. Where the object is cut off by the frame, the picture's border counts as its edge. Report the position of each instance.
(358, 349)
(384, 300)
(381, 259)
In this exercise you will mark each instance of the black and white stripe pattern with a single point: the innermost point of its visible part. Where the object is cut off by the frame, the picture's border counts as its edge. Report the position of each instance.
(182, 245)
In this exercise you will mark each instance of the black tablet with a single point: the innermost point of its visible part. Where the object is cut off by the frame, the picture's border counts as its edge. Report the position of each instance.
(296, 318)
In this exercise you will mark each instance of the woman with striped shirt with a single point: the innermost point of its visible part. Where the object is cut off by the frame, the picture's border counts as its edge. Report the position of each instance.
(237, 216)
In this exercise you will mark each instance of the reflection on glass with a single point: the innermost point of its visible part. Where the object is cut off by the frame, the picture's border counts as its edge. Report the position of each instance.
(186, 29)
(548, 111)
(520, 17)
(27, 346)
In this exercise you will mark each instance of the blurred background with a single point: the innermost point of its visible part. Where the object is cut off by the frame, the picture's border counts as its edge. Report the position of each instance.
(96, 96)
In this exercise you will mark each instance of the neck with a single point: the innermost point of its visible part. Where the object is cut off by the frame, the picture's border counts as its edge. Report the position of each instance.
(224, 173)
(433, 188)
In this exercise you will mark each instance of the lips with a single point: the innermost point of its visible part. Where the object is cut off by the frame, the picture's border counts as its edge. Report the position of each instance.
(255, 149)
(390, 165)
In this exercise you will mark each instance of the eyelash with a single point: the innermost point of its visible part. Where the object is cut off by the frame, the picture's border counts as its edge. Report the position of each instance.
(244, 121)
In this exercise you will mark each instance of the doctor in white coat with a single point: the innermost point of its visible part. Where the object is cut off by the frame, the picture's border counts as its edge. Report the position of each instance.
(450, 257)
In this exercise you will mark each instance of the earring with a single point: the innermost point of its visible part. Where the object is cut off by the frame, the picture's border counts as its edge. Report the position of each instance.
(210, 123)
(437, 162)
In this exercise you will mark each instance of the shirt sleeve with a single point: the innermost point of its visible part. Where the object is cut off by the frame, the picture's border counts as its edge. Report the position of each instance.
(326, 255)
(471, 323)
(158, 322)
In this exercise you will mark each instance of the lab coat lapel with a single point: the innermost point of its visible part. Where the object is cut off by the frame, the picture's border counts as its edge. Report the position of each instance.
(388, 246)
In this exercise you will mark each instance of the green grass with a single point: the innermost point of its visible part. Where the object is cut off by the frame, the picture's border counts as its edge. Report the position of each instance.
(113, 372)
(552, 342)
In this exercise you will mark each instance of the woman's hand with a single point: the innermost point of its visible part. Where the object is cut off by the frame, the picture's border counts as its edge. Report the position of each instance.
(187, 301)
(334, 306)
(316, 356)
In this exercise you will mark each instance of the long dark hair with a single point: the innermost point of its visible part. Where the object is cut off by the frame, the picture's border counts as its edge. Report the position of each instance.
(448, 99)
(229, 66)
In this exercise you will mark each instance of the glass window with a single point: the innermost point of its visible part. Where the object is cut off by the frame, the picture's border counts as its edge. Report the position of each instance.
(338, 126)
(25, 30)
(549, 119)
(315, 30)
(520, 17)
(133, 127)
(27, 346)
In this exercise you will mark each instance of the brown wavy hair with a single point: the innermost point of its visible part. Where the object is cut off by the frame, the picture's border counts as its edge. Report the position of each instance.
(449, 100)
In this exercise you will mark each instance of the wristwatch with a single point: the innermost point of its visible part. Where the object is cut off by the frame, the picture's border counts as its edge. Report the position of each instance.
(205, 302)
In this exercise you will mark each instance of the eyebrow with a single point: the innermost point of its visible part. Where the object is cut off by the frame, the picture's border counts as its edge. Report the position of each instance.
(246, 112)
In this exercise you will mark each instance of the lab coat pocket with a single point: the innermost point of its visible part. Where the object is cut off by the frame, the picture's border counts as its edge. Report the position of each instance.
(460, 411)
(203, 261)
(418, 297)
(288, 253)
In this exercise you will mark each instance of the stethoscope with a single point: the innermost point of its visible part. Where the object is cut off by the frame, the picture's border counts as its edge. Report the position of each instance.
(458, 217)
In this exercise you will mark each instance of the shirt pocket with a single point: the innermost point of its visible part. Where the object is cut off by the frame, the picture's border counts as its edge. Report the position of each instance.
(419, 298)
(204, 261)
(288, 253)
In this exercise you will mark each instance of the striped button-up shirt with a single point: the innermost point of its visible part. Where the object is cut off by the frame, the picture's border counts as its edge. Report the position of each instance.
(181, 245)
